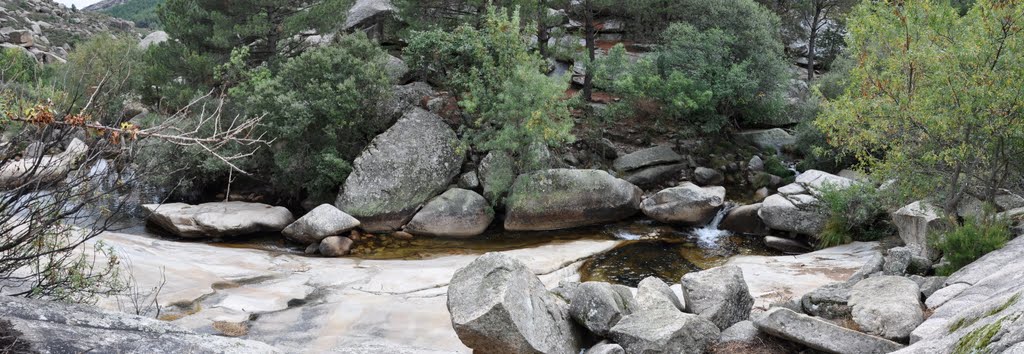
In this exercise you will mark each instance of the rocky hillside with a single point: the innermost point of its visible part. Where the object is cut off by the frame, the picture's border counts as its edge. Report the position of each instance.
(105, 5)
(142, 12)
(47, 30)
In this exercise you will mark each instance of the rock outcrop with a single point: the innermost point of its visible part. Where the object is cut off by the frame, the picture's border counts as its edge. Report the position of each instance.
(46, 30)
(413, 161)
(718, 294)
(53, 327)
(980, 310)
(323, 221)
(687, 204)
(767, 139)
(220, 219)
(499, 306)
(563, 198)
(652, 294)
(651, 166)
(455, 213)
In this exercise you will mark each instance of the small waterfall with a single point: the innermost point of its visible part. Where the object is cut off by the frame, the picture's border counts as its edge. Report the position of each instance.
(707, 236)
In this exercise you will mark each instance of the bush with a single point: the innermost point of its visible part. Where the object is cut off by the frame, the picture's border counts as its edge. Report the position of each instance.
(322, 108)
(970, 241)
(853, 214)
(17, 66)
(512, 105)
(107, 64)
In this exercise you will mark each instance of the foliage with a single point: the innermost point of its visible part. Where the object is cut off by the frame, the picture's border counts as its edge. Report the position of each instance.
(722, 62)
(451, 14)
(142, 12)
(173, 75)
(968, 242)
(512, 105)
(853, 214)
(17, 66)
(934, 98)
(321, 107)
(773, 165)
(100, 73)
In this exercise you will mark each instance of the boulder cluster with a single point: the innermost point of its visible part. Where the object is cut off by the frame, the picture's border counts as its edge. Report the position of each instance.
(44, 30)
(498, 305)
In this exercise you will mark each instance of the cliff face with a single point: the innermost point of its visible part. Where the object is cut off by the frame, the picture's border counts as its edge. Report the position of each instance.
(46, 30)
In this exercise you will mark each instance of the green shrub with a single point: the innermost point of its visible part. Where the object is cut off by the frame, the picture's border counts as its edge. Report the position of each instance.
(968, 242)
(108, 64)
(512, 105)
(17, 66)
(853, 214)
(321, 107)
(773, 165)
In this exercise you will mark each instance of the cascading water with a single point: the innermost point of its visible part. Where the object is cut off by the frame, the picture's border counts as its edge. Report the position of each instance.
(708, 236)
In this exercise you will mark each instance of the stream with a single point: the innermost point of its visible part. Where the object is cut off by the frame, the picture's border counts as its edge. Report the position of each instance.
(646, 248)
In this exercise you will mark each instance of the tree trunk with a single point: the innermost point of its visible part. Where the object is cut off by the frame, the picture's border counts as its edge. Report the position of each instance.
(591, 33)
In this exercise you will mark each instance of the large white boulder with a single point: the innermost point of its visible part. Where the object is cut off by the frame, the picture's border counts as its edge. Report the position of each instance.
(219, 219)
(687, 204)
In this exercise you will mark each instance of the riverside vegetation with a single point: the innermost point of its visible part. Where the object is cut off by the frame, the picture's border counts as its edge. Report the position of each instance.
(672, 148)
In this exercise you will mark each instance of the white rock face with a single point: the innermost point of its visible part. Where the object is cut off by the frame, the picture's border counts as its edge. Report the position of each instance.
(153, 39)
(887, 306)
(718, 294)
(218, 219)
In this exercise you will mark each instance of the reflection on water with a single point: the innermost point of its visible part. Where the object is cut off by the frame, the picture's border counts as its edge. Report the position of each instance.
(666, 258)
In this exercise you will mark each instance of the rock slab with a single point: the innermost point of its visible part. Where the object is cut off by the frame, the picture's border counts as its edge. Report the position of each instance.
(324, 220)
(887, 306)
(821, 335)
(667, 332)
(219, 219)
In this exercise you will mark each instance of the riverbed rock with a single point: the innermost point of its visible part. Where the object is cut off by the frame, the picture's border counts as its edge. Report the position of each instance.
(821, 335)
(218, 219)
(744, 220)
(756, 164)
(798, 213)
(497, 172)
(396, 68)
(605, 347)
(743, 331)
(652, 294)
(914, 222)
(928, 285)
(335, 246)
(657, 332)
(829, 301)
(598, 306)
(897, 260)
(816, 181)
(411, 162)
(48, 169)
(324, 220)
(687, 204)
(499, 306)
(786, 245)
(707, 177)
(455, 213)
(887, 306)
(565, 198)
(718, 294)
(767, 139)
(655, 175)
(657, 155)
(54, 327)
(469, 180)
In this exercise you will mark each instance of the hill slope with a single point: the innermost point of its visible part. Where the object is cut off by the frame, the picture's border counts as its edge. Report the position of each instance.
(142, 12)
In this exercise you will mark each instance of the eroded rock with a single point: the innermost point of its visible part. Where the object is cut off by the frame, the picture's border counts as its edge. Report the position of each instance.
(563, 198)
(718, 294)
(219, 219)
(323, 221)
